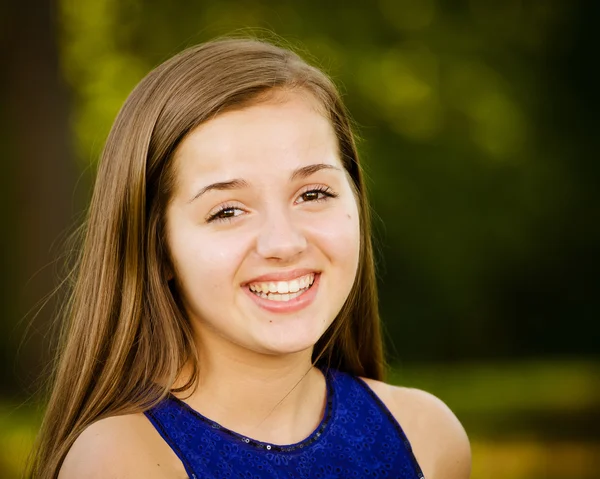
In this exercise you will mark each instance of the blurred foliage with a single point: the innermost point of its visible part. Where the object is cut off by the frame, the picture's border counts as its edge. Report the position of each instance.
(18, 427)
(473, 184)
(514, 399)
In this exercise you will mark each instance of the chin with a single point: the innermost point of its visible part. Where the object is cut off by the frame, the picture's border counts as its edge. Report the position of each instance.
(290, 344)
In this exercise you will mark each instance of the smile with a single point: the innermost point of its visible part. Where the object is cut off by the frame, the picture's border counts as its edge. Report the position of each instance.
(282, 291)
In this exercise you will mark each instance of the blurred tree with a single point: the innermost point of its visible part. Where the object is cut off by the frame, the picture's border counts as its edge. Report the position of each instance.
(38, 175)
(467, 113)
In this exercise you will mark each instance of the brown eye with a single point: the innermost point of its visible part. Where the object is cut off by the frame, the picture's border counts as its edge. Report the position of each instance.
(311, 195)
(226, 213)
(321, 193)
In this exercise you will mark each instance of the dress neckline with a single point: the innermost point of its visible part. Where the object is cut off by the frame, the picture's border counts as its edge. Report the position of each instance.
(313, 437)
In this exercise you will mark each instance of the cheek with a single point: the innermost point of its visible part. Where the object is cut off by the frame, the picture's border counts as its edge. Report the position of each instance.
(203, 266)
(338, 234)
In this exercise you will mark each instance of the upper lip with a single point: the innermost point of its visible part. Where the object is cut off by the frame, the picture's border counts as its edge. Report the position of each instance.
(281, 276)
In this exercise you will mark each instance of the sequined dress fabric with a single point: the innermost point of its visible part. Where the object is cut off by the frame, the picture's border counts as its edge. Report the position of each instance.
(357, 438)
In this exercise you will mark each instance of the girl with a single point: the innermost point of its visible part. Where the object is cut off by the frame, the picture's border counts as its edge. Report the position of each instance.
(224, 321)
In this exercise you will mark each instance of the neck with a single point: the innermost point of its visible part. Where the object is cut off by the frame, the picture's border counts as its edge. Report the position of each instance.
(276, 399)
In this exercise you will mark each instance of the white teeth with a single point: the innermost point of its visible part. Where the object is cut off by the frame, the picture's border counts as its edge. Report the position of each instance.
(295, 295)
(283, 290)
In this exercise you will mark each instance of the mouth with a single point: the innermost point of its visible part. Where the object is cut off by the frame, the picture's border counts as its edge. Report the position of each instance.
(282, 291)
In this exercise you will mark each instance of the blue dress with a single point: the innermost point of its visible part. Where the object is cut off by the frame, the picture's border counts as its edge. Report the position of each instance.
(357, 438)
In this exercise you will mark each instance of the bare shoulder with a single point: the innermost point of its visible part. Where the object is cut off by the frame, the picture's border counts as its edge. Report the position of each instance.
(437, 437)
(121, 447)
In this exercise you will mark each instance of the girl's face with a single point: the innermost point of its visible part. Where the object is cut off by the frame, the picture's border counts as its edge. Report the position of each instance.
(263, 227)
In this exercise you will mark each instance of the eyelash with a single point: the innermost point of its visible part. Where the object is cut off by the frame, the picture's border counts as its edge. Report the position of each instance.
(319, 190)
(223, 209)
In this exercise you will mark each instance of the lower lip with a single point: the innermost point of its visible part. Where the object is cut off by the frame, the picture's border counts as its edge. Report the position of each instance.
(296, 304)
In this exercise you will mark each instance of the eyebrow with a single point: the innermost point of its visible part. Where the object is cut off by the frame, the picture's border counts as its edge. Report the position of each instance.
(306, 171)
(239, 183)
(220, 186)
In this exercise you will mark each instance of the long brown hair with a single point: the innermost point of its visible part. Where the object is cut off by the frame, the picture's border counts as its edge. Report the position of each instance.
(125, 337)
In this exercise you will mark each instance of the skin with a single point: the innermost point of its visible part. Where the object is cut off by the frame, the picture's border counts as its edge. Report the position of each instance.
(271, 225)
(256, 376)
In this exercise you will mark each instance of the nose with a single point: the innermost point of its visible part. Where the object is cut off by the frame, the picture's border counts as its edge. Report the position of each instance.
(280, 238)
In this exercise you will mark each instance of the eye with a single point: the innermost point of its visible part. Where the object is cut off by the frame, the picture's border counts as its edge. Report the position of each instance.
(225, 213)
(316, 193)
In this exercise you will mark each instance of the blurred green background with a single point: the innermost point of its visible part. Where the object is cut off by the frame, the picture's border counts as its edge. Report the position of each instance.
(480, 136)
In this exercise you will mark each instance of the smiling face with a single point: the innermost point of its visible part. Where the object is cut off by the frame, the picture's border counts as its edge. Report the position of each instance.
(263, 227)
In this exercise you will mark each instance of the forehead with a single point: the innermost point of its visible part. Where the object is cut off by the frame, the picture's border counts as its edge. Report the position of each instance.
(281, 134)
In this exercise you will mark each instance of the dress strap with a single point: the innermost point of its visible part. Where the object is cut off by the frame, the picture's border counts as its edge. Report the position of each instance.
(162, 430)
(396, 425)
